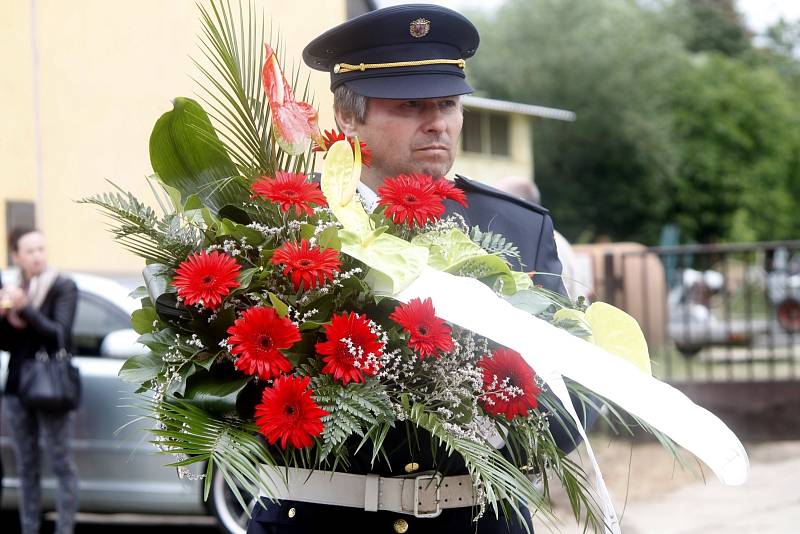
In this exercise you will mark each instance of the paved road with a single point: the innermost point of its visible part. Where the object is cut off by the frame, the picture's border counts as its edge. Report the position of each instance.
(663, 500)
(122, 524)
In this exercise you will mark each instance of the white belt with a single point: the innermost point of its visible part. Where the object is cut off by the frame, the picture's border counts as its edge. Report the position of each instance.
(423, 495)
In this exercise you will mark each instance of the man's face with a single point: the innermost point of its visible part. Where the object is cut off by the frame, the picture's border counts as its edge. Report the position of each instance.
(408, 136)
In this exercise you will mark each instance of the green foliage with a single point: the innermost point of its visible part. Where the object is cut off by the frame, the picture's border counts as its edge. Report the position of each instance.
(229, 445)
(233, 48)
(738, 141)
(716, 26)
(187, 154)
(607, 61)
(503, 484)
(139, 229)
(353, 409)
(680, 118)
(495, 244)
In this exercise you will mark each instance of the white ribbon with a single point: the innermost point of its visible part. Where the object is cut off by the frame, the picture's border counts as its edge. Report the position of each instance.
(554, 353)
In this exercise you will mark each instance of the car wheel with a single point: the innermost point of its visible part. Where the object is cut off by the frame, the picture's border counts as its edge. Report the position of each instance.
(689, 351)
(223, 504)
(789, 315)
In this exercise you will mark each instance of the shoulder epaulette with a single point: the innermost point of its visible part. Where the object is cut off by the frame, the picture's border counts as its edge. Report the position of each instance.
(474, 186)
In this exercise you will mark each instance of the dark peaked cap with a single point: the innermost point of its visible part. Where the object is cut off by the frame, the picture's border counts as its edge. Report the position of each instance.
(370, 53)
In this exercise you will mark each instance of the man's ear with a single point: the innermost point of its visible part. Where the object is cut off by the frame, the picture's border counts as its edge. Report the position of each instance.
(346, 122)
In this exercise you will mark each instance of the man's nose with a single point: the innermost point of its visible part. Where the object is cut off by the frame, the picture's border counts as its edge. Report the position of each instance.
(434, 120)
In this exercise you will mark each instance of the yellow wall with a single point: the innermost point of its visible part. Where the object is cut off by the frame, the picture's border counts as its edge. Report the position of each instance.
(17, 159)
(489, 169)
(107, 70)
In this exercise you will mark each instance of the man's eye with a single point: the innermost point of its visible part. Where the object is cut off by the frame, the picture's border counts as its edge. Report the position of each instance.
(411, 104)
(448, 104)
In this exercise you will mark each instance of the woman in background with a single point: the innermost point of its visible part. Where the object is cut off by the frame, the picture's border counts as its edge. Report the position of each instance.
(36, 315)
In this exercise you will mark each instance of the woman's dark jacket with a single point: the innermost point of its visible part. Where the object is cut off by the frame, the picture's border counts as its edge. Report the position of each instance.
(45, 326)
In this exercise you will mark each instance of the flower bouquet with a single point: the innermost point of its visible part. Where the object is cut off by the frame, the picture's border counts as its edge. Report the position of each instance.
(288, 327)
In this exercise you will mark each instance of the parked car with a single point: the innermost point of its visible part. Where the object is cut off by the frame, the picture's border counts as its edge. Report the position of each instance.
(783, 289)
(693, 324)
(119, 469)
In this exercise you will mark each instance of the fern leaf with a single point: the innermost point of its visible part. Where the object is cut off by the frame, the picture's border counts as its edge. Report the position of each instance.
(495, 244)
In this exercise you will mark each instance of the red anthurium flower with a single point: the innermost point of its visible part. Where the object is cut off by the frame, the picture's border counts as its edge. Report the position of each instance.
(352, 348)
(332, 136)
(411, 199)
(429, 334)
(206, 278)
(289, 190)
(289, 414)
(294, 123)
(256, 338)
(308, 266)
(447, 189)
(509, 384)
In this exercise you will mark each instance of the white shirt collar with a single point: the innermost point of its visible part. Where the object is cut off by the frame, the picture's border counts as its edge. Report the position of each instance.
(369, 198)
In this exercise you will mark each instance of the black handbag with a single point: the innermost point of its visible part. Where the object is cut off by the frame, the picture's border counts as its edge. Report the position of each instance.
(50, 383)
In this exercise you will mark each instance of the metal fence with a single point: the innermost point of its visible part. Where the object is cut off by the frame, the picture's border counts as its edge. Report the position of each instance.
(712, 313)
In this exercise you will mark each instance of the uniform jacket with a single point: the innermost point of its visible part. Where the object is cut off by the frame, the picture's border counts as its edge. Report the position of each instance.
(52, 319)
(530, 228)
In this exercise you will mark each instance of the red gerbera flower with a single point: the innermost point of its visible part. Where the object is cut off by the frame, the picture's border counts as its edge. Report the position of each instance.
(257, 337)
(447, 189)
(289, 190)
(411, 199)
(429, 334)
(509, 384)
(289, 414)
(352, 349)
(206, 278)
(331, 136)
(308, 266)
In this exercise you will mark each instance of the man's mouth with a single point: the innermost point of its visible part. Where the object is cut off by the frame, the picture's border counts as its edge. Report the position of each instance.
(434, 147)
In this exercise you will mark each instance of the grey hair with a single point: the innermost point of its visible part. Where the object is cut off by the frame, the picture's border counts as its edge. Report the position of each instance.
(348, 102)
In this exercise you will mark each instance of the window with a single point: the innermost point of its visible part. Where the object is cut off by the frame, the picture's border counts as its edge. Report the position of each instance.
(94, 320)
(19, 214)
(486, 133)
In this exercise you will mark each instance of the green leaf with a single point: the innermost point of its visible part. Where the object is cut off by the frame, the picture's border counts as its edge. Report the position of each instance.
(142, 320)
(138, 369)
(329, 238)
(531, 301)
(155, 280)
(279, 305)
(238, 231)
(139, 292)
(246, 276)
(187, 155)
(213, 394)
(192, 203)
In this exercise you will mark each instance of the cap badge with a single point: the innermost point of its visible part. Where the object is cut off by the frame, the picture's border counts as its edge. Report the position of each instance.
(419, 28)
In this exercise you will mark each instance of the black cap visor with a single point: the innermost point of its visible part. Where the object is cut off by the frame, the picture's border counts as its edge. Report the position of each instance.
(410, 86)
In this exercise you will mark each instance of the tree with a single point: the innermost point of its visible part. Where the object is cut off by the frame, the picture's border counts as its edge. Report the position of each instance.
(716, 25)
(608, 61)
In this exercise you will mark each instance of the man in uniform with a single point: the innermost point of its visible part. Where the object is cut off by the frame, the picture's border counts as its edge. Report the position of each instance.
(396, 74)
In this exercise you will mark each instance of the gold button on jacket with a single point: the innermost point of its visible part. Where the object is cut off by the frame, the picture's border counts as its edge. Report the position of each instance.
(411, 467)
(292, 513)
(400, 526)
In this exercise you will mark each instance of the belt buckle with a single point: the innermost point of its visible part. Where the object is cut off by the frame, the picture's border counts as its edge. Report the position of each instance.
(435, 478)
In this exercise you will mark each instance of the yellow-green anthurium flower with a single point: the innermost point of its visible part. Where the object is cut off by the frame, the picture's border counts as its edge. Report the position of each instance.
(619, 333)
(394, 262)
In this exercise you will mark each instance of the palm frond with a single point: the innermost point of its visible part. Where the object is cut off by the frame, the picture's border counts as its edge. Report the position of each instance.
(503, 484)
(232, 47)
(230, 445)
